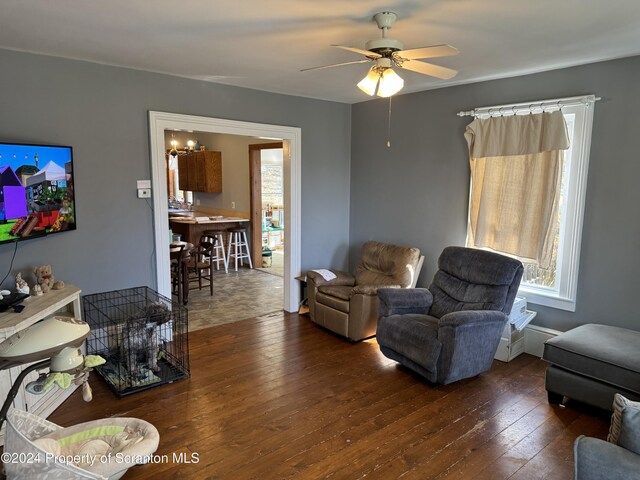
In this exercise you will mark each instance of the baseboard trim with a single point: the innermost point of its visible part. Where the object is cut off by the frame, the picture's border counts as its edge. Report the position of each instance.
(534, 338)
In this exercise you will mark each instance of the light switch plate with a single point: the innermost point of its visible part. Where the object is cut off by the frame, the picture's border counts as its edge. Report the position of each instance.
(144, 193)
(143, 184)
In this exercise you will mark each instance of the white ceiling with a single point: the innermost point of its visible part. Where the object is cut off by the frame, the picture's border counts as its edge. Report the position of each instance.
(263, 44)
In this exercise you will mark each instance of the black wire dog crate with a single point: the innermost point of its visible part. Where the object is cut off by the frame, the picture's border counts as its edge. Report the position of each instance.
(141, 334)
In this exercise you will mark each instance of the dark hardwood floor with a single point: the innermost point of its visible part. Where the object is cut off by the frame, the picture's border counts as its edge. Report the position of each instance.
(277, 397)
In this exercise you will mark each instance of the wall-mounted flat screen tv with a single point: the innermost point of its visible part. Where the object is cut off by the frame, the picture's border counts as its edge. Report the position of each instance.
(36, 191)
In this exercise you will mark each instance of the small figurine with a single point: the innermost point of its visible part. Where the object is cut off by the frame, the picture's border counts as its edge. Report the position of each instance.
(37, 290)
(21, 285)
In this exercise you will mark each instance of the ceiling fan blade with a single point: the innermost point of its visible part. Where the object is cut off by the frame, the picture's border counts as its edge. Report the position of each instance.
(429, 52)
(437, 71)
(366, 53)
(337, 64)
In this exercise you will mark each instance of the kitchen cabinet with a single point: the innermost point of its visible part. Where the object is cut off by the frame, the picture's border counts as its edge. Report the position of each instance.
(200, 171)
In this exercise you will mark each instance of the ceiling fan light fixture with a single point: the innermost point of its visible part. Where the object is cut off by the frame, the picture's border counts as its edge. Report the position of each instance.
(369, 84)
(388, 54)
(390, 83)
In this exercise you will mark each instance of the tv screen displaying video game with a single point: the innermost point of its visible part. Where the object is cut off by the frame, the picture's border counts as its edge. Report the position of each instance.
(36, 191)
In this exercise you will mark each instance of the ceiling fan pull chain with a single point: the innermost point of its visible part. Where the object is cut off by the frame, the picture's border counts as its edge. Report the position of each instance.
(389, 125)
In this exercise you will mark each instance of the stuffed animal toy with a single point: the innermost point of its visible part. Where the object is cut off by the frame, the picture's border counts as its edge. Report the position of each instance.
(44, 277)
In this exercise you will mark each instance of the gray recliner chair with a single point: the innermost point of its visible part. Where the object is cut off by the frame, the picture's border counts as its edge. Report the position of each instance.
(348, 304)
(452, 330)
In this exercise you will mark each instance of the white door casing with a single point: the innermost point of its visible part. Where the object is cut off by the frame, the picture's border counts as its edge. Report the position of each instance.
(291, 136)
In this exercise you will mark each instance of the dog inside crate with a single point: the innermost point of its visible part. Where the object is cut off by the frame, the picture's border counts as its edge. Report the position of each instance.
(136, 345)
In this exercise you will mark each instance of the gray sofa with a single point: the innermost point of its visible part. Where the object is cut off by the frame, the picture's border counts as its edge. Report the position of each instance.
(452, 330)
(619, 457)
(596, 459)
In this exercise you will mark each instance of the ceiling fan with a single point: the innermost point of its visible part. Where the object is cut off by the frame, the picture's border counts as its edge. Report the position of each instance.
(387, 53)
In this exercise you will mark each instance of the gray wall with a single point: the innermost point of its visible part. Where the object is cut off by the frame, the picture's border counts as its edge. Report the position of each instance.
(102, 112)
(416, 192)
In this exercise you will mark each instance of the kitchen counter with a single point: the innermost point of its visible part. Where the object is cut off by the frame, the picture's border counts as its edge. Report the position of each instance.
(181, 212)
(207, 220)
(192, 229)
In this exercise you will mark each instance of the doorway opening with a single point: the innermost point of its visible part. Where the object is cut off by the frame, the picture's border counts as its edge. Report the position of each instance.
(291, 147)
(266, 171)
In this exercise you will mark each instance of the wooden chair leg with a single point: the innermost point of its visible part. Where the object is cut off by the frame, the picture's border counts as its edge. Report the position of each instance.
(185, 284)
(211, 278)
(176, 284)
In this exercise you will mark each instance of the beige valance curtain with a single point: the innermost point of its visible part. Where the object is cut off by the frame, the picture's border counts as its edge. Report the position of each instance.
(516, 171)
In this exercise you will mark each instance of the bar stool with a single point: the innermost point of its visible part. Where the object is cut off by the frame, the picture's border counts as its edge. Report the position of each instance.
(219, 252)
(238, 240)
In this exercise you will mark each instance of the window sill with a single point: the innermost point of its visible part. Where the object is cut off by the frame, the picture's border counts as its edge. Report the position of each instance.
(549, 299)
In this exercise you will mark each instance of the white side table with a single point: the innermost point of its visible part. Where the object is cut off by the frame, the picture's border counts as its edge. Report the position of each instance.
(63, 302)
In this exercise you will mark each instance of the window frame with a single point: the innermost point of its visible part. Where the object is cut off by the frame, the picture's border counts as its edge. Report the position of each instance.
(563, 295)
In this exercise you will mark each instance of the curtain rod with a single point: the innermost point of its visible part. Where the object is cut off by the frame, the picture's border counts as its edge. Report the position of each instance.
(515, 108)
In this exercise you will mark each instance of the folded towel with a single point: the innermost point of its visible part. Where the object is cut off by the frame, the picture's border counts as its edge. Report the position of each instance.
(326, 274)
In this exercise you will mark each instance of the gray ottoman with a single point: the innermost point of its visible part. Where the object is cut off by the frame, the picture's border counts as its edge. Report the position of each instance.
(593, 362)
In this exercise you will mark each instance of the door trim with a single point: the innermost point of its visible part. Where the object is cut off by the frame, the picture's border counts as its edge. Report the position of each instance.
(292, 153)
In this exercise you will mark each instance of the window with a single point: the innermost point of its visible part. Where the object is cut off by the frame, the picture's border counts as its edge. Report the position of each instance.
(556, 286)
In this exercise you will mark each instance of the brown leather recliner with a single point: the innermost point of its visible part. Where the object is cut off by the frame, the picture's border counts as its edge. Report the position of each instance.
(348, 304)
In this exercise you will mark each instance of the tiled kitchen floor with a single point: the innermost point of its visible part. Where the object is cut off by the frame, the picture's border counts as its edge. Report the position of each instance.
(237, 295)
